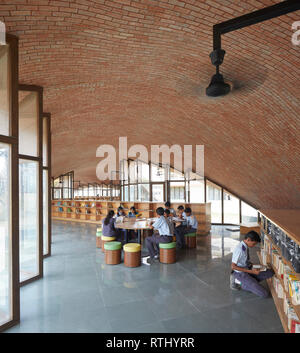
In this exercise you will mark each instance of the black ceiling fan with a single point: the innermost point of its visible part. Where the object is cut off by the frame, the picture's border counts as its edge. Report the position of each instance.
(218, 87)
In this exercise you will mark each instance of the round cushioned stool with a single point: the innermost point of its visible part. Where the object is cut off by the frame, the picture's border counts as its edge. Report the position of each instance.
(113, 252)
(167, 252)
(105, 239)
(132, 254)
(98, 238)
(191, 240)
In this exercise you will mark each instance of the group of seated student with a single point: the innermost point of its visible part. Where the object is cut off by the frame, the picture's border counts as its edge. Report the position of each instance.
(164, 229)
(243, 274)
(189, 224)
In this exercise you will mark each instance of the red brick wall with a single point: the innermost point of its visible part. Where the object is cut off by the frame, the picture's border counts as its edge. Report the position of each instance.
(139, 68)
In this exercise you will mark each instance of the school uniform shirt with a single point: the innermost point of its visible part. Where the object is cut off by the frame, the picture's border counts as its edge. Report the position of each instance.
(191, 221)
(162, 226)
(172, 211)
(240, 255)
(183, 223)
(131, 214)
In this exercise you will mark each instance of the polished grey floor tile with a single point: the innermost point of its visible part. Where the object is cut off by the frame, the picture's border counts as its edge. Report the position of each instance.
(193, 323)
(170, 306)
(233, 319)
(130, 315)
(80, 293)
(120, 295)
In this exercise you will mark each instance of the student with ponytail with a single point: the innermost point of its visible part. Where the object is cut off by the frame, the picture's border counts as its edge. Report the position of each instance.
(108, 226)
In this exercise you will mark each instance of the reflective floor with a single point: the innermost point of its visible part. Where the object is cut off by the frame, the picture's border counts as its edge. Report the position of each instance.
(79, 293)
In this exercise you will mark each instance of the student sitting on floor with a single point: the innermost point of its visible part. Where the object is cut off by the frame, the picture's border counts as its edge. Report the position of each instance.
(108, 226)
(164, 236)
(242, 268)
(168, 207)
(189, 225)
(133, 212)
(169, 219)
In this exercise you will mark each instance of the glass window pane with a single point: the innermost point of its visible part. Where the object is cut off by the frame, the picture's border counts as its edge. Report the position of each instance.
(157, 173)
(197, 191)
(175, 175)
(5, 236)
(56, 183)
(132, 171)
(133, 192)
(213, 195)
(91, 190)
(45, 142)
(144, 192)
(126, 193)
(177, 191)
(29, 219)
(45, 212)
(158, 192)
(4, 90)
(57, 194)
(249, 214)
(143, 172)
(28, 123)
(231, 208)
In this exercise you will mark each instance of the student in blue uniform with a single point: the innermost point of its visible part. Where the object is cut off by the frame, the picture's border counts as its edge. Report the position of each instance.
(121, 212)
(133, 212)
(168, 207)
(189, 225)
(242, 270)
(164, 236)
(169, 218)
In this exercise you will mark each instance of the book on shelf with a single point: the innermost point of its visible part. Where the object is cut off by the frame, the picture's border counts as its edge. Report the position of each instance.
(294, 289)
(278, 287)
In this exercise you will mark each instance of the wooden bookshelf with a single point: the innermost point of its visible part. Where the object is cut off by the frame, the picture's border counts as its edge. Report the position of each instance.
(94, 210)
(277, 301)
(289, 222)
(279, 306)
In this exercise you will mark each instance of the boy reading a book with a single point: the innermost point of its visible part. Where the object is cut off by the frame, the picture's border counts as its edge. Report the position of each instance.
(243, 275)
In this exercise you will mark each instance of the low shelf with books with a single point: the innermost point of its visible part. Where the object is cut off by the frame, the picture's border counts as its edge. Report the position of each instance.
(94, 211)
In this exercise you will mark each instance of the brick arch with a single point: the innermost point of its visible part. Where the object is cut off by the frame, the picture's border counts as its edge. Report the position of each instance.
(140, 68)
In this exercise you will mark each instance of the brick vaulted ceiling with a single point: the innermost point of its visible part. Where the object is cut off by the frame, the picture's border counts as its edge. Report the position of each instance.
(139, 69)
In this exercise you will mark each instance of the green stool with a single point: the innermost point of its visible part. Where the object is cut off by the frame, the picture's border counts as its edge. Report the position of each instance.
(191, 240)
(167, 253)
(112, 251)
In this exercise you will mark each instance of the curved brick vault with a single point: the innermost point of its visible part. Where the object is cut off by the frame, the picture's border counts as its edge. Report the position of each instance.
(139, 68)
